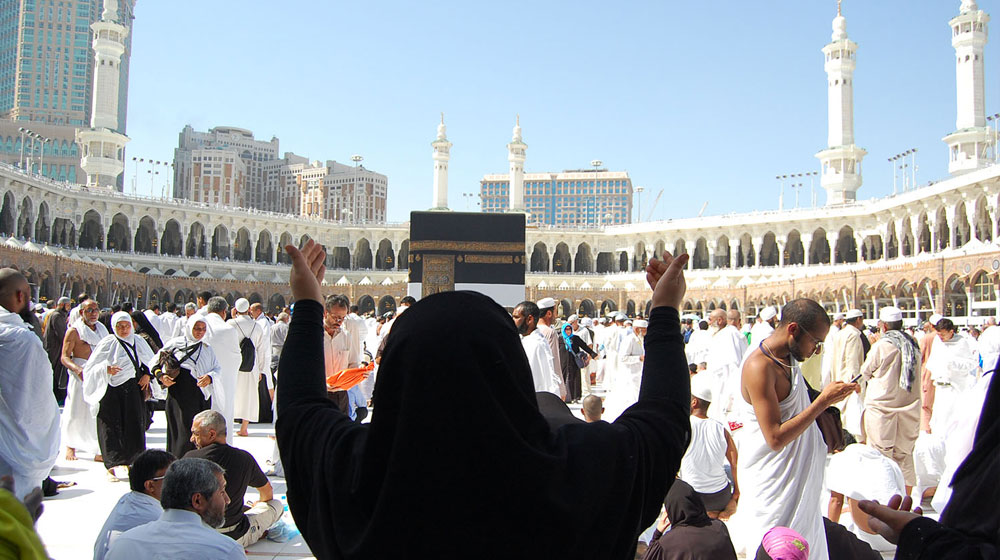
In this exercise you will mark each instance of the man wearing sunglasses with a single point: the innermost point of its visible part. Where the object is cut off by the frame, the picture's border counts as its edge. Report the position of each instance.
(782, 453)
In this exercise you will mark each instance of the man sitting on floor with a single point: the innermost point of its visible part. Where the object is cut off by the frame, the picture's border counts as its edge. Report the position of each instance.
(208, 432)
(142, 504)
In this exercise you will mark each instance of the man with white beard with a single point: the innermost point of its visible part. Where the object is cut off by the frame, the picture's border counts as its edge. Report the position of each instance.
(725, 355)
(763, 328)
(953, 367)
(224, 340)
(631, 355)
(79, 425)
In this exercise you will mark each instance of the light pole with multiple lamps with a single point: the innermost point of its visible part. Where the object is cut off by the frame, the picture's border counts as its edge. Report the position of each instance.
(912, 152)
(995, 119)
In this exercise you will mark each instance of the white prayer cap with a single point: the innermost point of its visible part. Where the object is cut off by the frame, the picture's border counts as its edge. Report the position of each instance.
(586, 322)
(572, 318)
(838, 316)
(602, 320)
(768, 313)
(640, 323)
(546, 303)
(933, 320)
(853, 314)
(620, 317)
(701, 387)
(242, 305)
(628, 322)
(890, 314)
(63, 300)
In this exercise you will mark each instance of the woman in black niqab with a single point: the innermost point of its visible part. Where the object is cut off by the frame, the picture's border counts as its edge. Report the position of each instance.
(457, 460)
(693, 535)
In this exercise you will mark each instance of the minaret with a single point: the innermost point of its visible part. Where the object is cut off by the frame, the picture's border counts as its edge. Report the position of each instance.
(969, 144)
(103, 148)
(516, 155)
(841, 161)
(442, 153)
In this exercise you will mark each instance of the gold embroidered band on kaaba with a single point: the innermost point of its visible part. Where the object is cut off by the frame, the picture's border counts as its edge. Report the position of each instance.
(467, 246)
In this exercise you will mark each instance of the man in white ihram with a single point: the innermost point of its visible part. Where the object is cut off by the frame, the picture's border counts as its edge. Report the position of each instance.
(536, 349)
(726, 351)
(631, 355)
(247, 403)
(224, 340)
(764, 326)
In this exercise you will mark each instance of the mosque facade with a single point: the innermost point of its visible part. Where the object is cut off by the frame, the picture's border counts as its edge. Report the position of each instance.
(928, 249)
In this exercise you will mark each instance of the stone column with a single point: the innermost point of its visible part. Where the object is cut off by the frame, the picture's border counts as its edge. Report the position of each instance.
(710, 245)
(968, 304)
(858, 243)
(758, 244)
(781, 251)
(630, 256)
(734, 247)
(807, 239)
(950, 212)
(552, 260)
(690, 250)
(254, 237)
(831, 240)
(970, 216)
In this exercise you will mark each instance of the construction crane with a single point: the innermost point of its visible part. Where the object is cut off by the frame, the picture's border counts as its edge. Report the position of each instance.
(658, 195)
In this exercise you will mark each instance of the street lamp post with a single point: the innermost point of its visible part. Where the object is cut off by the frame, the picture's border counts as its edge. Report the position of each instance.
(23, 132)
(357, 159)
(41, 160)
(638, 191)
(995, 119)
(596, 164)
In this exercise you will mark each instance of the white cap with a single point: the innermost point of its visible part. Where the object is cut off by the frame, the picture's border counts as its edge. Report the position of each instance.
(572, 318)
(546, 303)
(768, 313)
(890, 314)
(586, 322)
(620, 317)
(242, 305)
(933, 320)
(602, 320)
(853, 314)
(838, 316)
(628, 322)
(701, 386)
(640, 323)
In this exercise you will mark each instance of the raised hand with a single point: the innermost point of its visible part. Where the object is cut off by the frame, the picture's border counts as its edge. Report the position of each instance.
(889, 520)
(666, 278)
(308, 269)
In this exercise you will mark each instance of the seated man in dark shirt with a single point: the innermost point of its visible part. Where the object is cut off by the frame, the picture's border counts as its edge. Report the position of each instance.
(208, 433)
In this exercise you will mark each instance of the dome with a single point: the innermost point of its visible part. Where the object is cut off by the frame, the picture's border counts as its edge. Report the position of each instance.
(839, 28)
(968, 6)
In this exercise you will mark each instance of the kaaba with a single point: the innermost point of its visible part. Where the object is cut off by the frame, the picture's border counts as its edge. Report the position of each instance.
(467, 251)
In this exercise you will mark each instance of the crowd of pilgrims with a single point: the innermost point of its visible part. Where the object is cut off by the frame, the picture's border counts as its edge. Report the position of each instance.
(697, 437)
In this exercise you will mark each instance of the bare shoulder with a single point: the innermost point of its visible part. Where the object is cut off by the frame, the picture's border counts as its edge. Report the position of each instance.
(757, 375)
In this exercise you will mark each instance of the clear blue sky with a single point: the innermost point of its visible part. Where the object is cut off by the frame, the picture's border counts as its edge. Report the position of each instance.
(706, 100)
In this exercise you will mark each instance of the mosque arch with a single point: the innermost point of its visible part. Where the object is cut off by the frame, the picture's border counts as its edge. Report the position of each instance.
(363, 255)
(623, 262)
(871, 248)
(586, 308)
(7, 220)
(907, 242)
(923, 234)
(605, 263)
(145, 236)
(303, 240)
(630, 308)
(639, 258)
(42, 230)
(197, 244)
(386, 304)
(403, 258)
(794, 252)
(565, 308)
(63, 232)
(25, 219)
(961, 227)
(584, 260)
(539, 258)
(119, 234)
(891, 241)
(341, 258)
(721, 252)
(366, 304)
(91, 231)
(255, 298)
(745, 255)
(608, 306)
(283, 241)
(658, 249)
(561, 261)
(170, 241)
(265, 247)
(680, 246)
(819, 250)
(769, 250)
(276, 303)
(241, 246)
(942, 230)
(846, 250)
(699, 308)
(180, 297)
(983, 287)
(220, 243)
(864, 301)
(385, 257)
(699, 260)
(955, 301)
(983, 220)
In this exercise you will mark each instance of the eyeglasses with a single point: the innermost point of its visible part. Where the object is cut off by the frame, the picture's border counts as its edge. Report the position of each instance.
(819, 343)
(158, 477)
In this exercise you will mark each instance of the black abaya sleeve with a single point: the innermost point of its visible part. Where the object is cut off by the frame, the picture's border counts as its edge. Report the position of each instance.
(579, 344)
(310, 428)
(924, 538)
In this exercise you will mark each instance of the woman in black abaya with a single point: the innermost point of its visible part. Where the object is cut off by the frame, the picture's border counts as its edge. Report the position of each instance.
(457, 461)
(191, 391)
(693, 535)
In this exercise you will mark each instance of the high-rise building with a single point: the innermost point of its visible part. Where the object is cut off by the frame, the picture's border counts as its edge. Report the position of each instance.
(225, 143)
(574, 198)
(348, 193)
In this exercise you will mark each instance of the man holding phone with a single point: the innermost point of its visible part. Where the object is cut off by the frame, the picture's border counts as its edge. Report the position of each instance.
(892, 395)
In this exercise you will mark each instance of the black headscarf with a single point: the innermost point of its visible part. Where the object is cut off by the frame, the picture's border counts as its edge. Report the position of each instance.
(457, 460)
(973, 508)
(693, 535)
(145, 329)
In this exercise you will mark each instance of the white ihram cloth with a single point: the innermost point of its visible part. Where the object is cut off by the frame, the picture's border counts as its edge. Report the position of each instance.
(759, 332)
(247, 402)
(989, 348)
(782, 488)
(697, 346)
(539, 355)
(725, 357)
(224, 340)
(158, 324)
(79, 425)
(132, 510)
(826, 358)
(624, 392)
(961, 437)
(611, 365)
(29, 415)
(109, 352)
(861, 472)
(703, 464)
(953, 366)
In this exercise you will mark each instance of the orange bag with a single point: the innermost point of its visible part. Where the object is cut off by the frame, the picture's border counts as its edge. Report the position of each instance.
(345, 379)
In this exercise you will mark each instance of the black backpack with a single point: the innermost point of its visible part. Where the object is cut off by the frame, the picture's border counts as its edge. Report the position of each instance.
(247, 350)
